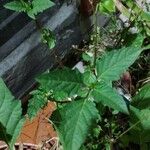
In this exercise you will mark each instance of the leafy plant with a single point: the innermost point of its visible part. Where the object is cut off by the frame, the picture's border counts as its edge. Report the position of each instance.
(88, 105)
(81, 93)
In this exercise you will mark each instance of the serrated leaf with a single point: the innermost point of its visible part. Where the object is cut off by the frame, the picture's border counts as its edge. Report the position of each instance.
(10, 115)
(30, 14)
(60, 95)
(40, 6)
(73, 122)
(107, 96)
(66, 80)
(112, 65)
(37, 102)
(142, 99)
(16, 6)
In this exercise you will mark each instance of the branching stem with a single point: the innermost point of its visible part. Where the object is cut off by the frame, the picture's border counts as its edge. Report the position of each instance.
(95, 37)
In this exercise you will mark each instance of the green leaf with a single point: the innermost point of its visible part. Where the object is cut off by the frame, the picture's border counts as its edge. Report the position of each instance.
(142, 119)
(108, 96)
(30, 14)
(112, 65)
(60, 95)
(142, 99)
(40, 6)
(73, 122)
(66, 80)
(137, 41)
(48, 38)
(10, 116)
(16, 6)
(88, 57)
(89, 78)
(37, 102)
(107, 6)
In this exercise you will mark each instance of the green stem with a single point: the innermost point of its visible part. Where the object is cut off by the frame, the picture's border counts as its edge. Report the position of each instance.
(127, 130)
(96, 37)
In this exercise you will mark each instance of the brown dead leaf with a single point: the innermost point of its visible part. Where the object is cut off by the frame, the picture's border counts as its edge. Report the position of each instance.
(40, 129)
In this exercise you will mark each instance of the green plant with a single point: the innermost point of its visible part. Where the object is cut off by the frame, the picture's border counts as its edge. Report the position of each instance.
(137, 16)
(88, 105)
(77, 95)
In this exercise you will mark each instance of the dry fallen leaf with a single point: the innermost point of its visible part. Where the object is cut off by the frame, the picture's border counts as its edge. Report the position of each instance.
(40, 129)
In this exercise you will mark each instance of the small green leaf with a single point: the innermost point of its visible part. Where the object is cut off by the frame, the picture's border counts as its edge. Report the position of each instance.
(16, 6)
(89, 78)
(142, 99)
(48, 38)
(10, 116)
(73, 122)
(66, 80)
(107, 96)
(107, 6)
(40, 6)
(37, 102)
(112, 65)
(30, 14)
(88, 57)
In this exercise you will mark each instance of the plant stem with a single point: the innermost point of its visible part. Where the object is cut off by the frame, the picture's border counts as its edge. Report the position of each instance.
(38, 26)
(96, 37)
(127, 131)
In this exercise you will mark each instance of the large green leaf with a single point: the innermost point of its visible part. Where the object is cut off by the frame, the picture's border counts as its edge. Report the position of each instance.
(10, 116)
(111, 66)
(16, 6)
(108, 96)
(73, 122)
(66, 80)
(142, 99)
